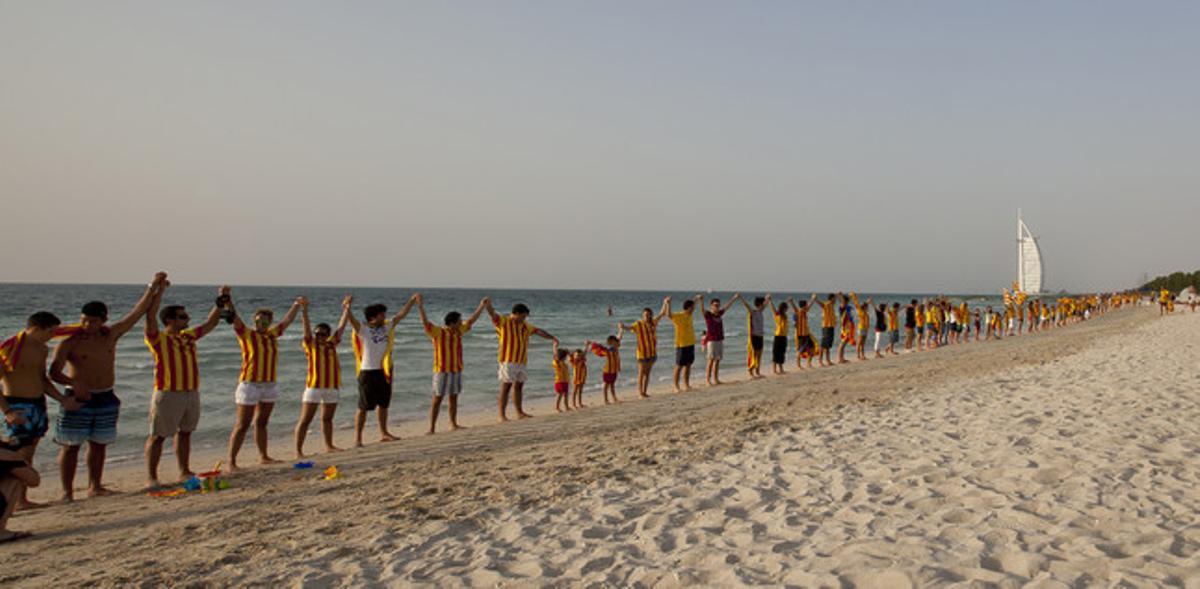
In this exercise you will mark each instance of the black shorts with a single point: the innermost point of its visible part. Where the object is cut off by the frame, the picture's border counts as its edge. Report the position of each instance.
(826, 338)
(374, 390)
(779, 349)
(685, 356)
(756, 343)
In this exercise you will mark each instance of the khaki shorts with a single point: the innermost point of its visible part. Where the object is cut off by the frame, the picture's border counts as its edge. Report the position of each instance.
(174, 411)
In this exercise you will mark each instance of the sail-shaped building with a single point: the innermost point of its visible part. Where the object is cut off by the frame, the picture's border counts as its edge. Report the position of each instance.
(1029, 259)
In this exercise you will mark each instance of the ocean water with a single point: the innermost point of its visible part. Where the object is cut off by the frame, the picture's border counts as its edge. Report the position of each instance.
(574, 316)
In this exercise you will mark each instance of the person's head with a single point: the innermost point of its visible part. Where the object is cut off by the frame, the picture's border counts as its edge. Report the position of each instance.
(322, 332)
(40, 326)
(376, 314)
(832, 296)
(647, 314)
(783, 307)
(452, 318)
(613, 341)
(262, 319)
(714, 305)
(913, 302)
(688, 304)
(759, 302)
(577, 354)
(882, 307)
(173, 317)
(895, 305)
(560, 354)
(520, 312)
(92, 316)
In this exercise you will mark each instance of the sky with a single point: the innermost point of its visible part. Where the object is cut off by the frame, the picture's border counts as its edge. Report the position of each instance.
(875, 146)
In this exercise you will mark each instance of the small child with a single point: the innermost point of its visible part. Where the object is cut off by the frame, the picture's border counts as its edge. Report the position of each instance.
(578, 376)
(559, 361)
(612, 363)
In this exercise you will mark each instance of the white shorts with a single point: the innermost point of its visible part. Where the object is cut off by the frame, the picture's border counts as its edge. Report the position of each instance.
(511, 372)
(715, 349)
(253, 393)
(322, 396)
(447, 383)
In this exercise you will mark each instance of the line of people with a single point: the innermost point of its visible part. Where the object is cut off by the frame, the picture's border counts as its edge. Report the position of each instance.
(84, 363)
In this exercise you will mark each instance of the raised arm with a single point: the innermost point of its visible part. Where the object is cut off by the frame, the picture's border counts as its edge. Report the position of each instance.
(666, 310)
(771, 303)
(421, 311)
(215, 314)
(151, 329)
(698, 303)
(304, 320)
(226, 292)
(736, 297)
(347, 315)
(491, 311)
(301, 302)
(412, 301)
(620, 330)
(124, 324)
(745, 303)
(474, 316)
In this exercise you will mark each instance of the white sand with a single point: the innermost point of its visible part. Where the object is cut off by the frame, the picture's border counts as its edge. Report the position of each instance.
(1064, 459)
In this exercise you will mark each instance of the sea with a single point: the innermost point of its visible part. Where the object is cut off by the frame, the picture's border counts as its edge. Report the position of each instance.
(574, 316)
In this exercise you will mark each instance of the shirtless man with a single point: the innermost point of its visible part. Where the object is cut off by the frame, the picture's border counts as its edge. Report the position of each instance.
(90, 357)
(26, 384)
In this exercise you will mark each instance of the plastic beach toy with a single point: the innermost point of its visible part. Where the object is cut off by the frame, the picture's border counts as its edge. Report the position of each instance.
(168, 493)
(304, 465)
(192, 484)
(332, 473)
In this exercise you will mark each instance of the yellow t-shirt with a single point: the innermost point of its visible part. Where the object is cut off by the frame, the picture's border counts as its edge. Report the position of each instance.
(685, 335)
(781, 325)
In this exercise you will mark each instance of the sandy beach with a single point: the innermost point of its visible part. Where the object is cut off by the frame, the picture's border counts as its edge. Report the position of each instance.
(1060, 459)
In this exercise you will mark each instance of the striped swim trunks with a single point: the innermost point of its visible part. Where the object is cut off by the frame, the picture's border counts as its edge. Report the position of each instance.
(95, 422)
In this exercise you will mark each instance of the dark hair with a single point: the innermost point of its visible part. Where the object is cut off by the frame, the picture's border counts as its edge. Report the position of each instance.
(914, 301)
(832, 296)
(169, 312)
(895, 305)
(95, 309)
(758, 301)
(452, 317)
(520, 309)
(714, 300)
(647, 310)
(783, 307)
(374, 310)
(265, 311)
(613, 339)
(688, 304)
(323, 326)
(560, 354)
(43, 320)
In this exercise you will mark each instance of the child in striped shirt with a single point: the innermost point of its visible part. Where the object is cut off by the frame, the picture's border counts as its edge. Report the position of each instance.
(612, 363)
(559, 361)
(578, 376)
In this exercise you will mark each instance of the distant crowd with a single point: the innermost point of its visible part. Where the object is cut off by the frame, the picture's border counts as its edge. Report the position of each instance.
(84, 364)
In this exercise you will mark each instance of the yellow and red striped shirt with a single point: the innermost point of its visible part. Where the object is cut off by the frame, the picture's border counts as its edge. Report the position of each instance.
(260, 353)
(175, 365)
(828, 314)
(324, 368)
(579, 370)
(647, 339)
(802, 328)
(612, 358)
(893, 319)
(447, 346)
(514, 340)
(560, 370)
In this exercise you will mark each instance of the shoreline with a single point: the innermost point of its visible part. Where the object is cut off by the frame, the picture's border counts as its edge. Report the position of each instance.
(541, 461)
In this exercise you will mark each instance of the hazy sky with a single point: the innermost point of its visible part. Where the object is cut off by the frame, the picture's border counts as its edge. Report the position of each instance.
(746, 145)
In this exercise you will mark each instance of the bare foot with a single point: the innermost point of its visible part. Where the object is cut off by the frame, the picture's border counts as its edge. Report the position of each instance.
(717, 383)
(456, 427)
(330, 449)
(28, 505)
(358, 444)
(67, 498)
(429, 433)
(153, 485)
(186, 475)
(523, 415)
(503, 418)
(232, 468)
(102, 491)
(301, 456)
(644, 395)
(386, 437)
(267, 460)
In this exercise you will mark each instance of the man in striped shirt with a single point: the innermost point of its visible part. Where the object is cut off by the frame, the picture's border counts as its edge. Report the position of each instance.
(447, 359)
(646, 330)
(256, 392)
(175, 406)
(513, 333)
(324, 376)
